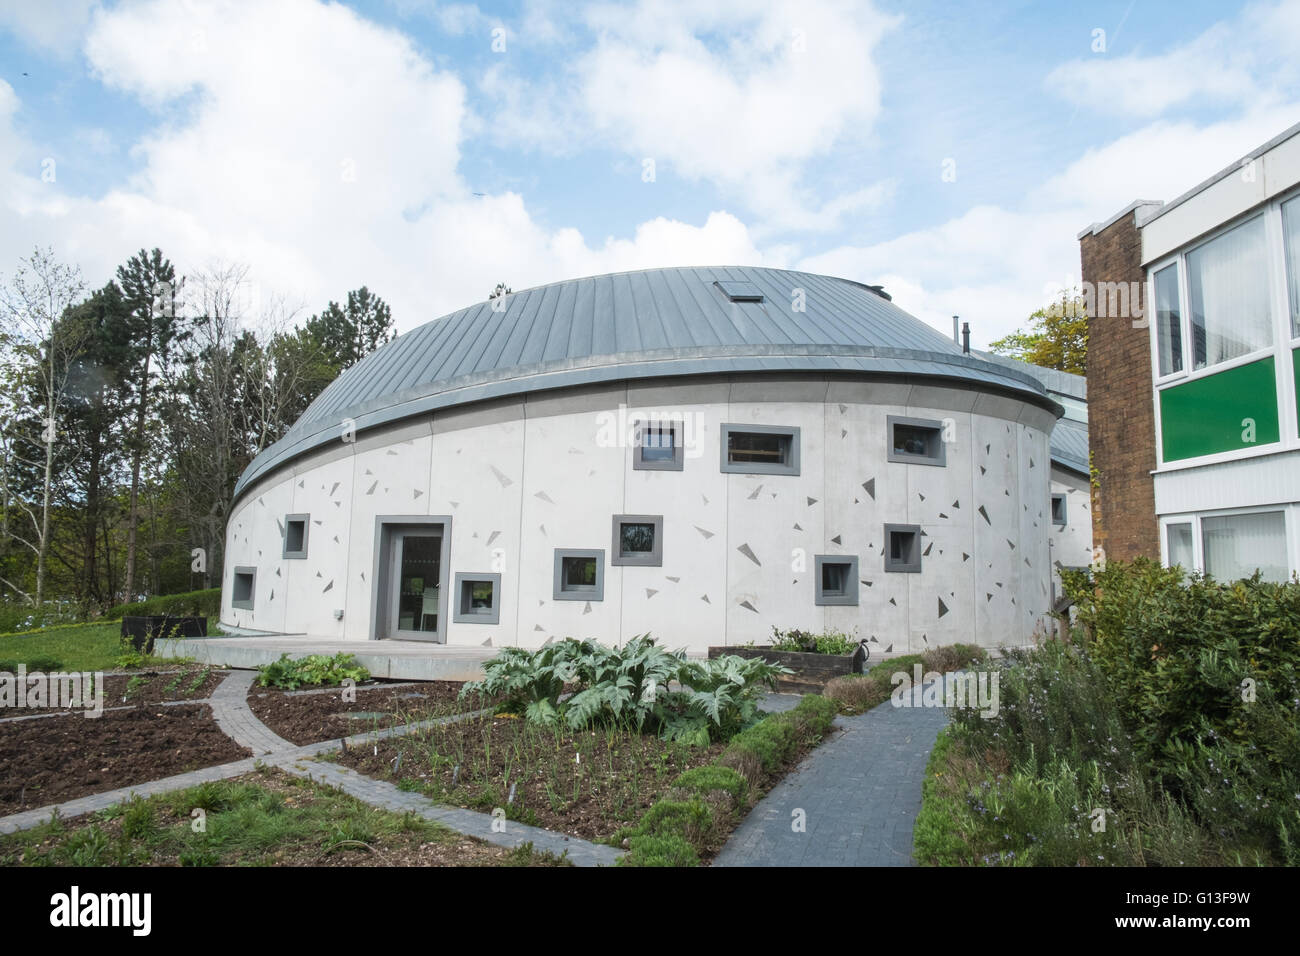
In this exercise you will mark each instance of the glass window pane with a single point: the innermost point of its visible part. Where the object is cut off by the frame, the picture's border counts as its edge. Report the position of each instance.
(1227, 282)
(832, 578)
(1236, 545)
(914, 440)
(757, 447)
(579, 573)
(1291, 232)
(636, 538)
(657, 443)
(418, 576)
(1179, 541)
(1169, 322)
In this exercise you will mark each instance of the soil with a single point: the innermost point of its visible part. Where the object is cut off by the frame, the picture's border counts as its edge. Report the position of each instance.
(620, 774)
(310, 718)
(55, 759)
(147, 687)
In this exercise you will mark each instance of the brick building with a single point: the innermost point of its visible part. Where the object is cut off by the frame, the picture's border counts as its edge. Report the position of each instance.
(1193, 360)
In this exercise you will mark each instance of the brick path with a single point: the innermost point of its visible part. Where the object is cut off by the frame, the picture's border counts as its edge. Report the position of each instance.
(860, 791)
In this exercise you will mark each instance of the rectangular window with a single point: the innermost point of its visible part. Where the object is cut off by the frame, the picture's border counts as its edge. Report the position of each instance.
(243, 587)
(903, 548)
(1291, 247)
(659, 446)
(916, 441)
(1235, 546)
(1169, 321)
(1227, 284)
(295, 535)
(476, 599)
(1058, 510)
(579, 575)
(638, 540)
(760, 450)
(1178, 545)
(837, 580)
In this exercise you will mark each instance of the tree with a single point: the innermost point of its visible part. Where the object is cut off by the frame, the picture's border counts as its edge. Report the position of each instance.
(150, 290)
(347, 335)
(46, 348)
(1057, 337)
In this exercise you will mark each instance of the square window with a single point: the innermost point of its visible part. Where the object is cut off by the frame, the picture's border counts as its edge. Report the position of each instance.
(658, 446)
(579, 575)
(836, 579)
(1236, 546)
(243, 587)
(1228, 295)
(295, 535)
(916, 441)
(1058, 510)
(903, 548)
(760, 450)
(476, 599)
(638, 540)
(1169, 322)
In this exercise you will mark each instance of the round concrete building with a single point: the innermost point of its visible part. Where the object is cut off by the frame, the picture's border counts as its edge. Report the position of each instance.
(698, 453)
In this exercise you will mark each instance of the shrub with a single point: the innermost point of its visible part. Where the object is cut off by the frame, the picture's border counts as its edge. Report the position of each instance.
(952, 657)
(188, 604)
(828, 642)
(40, 663)
(312, 670)
(628, 685)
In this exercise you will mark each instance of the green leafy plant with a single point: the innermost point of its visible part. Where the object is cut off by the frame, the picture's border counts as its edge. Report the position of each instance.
(312, 670)
(828, 642)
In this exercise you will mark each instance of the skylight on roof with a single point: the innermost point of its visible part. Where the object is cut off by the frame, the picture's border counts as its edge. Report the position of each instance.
(739, 291)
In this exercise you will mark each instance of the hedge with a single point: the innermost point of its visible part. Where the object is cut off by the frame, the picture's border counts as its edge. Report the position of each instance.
(189, 604)
(704, 803)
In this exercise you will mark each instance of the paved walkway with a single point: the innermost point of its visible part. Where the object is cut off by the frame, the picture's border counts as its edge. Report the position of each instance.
(859, 792)
(230, 709)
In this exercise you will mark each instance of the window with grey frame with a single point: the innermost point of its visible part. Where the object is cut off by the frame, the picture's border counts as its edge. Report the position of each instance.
(836, 578)
(1058, 509)
(760, 449)
(477, 598)
(659, 446)
(916, 441)
(295, 535)
(638, 541)
(903, 548)
(579, 574)
(243, 587)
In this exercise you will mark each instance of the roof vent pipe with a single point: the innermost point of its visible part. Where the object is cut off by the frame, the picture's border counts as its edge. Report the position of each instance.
(965, 337)
(956, 337)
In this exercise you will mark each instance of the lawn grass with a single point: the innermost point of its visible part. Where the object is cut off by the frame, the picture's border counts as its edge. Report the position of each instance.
(266, 818)
(77, 647)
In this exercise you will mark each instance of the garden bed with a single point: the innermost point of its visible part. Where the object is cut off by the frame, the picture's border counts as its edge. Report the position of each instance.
(265, 818)
(54, 759)
(147, 687)
(811, 671)
(587, 784)
(308, 718)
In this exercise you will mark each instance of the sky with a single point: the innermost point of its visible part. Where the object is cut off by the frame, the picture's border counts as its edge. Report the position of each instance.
(950, 152)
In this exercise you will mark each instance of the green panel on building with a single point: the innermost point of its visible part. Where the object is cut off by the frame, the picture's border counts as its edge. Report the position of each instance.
(1209, 415)
(1295, 365)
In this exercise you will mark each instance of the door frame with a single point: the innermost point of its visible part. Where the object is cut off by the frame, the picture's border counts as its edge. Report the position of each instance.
(387, 527)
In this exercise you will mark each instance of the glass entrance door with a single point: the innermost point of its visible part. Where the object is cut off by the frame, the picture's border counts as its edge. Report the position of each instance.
(415, 578)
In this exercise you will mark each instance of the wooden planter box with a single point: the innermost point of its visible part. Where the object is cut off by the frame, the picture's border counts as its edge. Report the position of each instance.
(811, 671)
(143, 630)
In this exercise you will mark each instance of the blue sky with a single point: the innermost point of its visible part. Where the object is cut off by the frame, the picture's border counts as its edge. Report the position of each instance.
(430, 150)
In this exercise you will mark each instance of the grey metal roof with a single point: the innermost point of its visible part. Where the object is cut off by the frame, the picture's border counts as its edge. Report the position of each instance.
(632, 325)
(1069, 437)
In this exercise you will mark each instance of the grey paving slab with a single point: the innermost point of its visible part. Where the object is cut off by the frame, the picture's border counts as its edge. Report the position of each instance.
(231, 711)
(857, 795)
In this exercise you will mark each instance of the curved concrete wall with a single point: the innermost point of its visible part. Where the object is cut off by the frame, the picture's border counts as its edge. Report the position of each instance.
(520, 479)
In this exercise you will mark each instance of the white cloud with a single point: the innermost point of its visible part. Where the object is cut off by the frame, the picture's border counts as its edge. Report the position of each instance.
(1247, 61)
(54, 26)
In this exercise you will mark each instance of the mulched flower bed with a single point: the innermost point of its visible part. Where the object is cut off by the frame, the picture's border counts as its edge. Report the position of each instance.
(586, 784)
(310, 718)
(147, 687)
(53, 759)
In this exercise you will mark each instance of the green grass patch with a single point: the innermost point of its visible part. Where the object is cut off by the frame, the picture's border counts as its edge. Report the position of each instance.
(77, 647)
